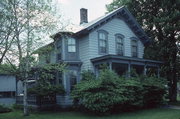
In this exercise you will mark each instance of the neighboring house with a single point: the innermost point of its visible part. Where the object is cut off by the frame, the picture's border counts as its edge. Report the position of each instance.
(7, 89)
(115, 39)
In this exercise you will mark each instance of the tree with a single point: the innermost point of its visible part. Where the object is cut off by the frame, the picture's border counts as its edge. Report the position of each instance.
(6, 30)
(29, 20)
(160, 19)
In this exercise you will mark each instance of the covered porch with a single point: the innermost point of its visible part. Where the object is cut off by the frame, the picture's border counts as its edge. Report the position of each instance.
(123, 65)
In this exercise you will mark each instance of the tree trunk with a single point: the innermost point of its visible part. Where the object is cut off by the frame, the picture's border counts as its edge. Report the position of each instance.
(26, 113)
(172, 76)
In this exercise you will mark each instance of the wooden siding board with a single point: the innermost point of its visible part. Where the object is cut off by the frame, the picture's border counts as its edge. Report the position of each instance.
(84, 52)
(113, 27)
(7, 83)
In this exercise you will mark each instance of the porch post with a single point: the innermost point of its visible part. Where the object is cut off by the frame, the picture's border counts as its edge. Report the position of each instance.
(145, 69)
(158, 72)
(110, 65)
(129, 69)
(96, 70)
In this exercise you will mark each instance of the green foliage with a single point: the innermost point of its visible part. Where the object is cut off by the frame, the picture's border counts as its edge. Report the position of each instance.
(44, 89)
(154, 91)
(45, 84)
(17, 107)
(110, 93)
(161, 22)
(4, 109)
(88, 75)
(7, 69)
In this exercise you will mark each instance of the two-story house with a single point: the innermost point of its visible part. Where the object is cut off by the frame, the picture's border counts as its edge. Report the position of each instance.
(115, 39)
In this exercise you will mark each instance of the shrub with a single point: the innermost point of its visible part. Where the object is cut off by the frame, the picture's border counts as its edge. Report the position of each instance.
(110, 93)
(43, 90)
(88, 75)
(132, 92)
(97, 95)
(4, 109)
(18, 107)
(154, 91)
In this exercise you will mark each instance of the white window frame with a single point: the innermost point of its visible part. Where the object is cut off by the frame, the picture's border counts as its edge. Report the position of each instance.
(121, 44)
(71, 45)
(103, 39)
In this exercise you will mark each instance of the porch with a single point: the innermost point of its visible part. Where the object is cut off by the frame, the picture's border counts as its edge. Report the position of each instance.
(123, 65)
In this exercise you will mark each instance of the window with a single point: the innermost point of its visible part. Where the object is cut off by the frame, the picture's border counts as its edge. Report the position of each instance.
(71, 45)
(119, 44)
(73, 78)
(8, 94)
(134, 47)
(102, 36)
(58, 46)
(47, 57)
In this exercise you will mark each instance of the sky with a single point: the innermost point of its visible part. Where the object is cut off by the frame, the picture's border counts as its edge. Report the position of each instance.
(70, 9)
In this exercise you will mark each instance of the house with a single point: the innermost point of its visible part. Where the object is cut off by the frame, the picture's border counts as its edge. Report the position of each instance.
(115, 39)
(7, 89)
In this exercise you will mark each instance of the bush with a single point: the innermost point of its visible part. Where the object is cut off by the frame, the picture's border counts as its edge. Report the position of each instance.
(88, 75)
(4, 109)
(110, 93)
(154, 91)
(96, 95)
(18, 107)
(44, 90)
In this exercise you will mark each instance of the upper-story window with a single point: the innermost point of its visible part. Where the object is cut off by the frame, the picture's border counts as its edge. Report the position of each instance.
(119, 44)
(71, 45)
(134, 47)
(48, 57)
(103, 41)
(58, 46)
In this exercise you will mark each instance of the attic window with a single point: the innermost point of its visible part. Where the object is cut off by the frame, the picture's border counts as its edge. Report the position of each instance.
(103, 42)
(71, 45)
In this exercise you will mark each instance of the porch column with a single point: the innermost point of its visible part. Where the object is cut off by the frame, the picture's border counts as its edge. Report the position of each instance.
(158, 72)
(129, 69)
(145, 69)
(96, 70)
(110, 65)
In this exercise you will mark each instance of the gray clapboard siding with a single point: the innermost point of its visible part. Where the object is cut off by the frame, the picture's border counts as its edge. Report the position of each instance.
(7, 83)
(84, 52)
(7, 101)
(113, 27)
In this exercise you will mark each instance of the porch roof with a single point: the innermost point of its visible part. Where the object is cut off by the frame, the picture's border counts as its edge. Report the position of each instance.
(126, 60)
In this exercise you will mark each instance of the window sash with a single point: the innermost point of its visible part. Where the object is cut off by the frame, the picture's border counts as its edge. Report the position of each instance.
(119, 45)
(71, 45)
(134, 51)
(102, 42)
(119, 48)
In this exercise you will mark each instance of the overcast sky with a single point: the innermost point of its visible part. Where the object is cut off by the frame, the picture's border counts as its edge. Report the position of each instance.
(71, 8)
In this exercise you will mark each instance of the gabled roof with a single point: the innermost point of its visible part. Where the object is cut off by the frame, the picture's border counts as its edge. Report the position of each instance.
(122, 13)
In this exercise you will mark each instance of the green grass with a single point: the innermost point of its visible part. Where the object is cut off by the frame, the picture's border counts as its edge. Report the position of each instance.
(143, 114)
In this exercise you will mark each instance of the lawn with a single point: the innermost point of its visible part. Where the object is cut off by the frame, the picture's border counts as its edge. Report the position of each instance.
(145, 114)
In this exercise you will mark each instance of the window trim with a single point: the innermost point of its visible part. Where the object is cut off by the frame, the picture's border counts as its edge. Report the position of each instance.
(68, 45)
(106, 38)
(58, 50)
(134, 39)
(122, 36)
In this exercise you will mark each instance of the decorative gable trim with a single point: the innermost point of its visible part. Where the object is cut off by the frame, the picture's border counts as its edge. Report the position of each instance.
(123, 13)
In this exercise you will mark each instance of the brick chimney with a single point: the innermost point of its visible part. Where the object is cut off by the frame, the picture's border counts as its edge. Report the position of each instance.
(83, 16)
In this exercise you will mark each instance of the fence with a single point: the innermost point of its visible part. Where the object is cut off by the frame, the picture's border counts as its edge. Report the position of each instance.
(38, 101)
